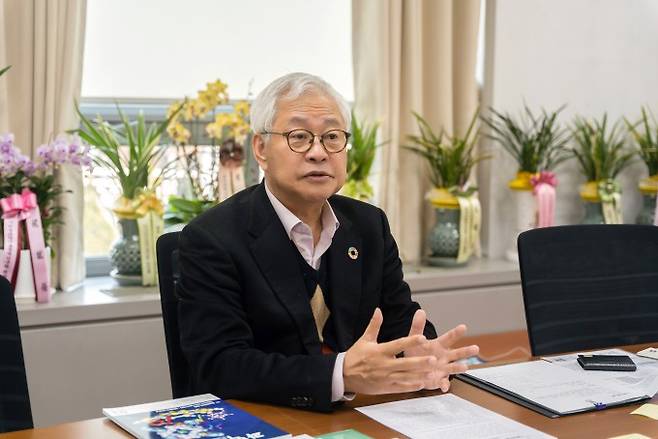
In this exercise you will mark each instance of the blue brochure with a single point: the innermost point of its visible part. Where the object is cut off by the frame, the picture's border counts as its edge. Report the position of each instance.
(202, 416)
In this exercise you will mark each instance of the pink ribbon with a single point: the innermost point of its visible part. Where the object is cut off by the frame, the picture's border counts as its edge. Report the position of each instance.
(16, 208)
(544, 185)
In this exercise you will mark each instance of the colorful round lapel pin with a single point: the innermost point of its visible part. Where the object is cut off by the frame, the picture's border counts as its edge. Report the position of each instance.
(353, 253)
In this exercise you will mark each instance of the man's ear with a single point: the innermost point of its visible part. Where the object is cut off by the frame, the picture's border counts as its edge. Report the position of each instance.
(258, 150)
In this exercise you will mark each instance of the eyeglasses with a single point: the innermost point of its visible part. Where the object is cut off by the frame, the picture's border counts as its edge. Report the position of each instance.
(301, 141)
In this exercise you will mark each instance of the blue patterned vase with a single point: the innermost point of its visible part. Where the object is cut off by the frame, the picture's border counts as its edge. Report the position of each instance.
(593, 213)
(444, 238)
(647, 213)
(125, 255)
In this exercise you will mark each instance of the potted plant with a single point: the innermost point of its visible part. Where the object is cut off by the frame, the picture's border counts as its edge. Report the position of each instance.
(645, 134)
(130, 151)
(360, 156)
(211, 159)
(601, 155)
(538, 144)
(28, 191)
(455, 235)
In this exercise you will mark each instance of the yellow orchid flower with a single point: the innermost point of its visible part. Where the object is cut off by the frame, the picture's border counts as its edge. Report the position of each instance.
(242, 108)
(178, 133)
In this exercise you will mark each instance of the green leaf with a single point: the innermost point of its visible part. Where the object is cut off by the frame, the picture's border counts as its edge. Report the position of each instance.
(601, 152)
(537, 143)
(364, 145)
(451, 160)
(129, 150)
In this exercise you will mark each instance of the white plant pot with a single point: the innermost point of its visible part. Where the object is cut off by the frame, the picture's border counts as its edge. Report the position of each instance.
(25, 291)
(525, 219)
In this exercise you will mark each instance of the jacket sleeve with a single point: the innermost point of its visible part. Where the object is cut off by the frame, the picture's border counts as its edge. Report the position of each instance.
(396, 304)
(218, 341)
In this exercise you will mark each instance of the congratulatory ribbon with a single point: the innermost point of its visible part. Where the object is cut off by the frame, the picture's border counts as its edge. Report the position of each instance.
(147, 210)
(610, 194)
(543, 185)
(16, 208)
(470, 219)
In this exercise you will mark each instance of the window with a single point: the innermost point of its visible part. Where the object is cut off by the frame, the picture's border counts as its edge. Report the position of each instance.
(169, 48)
(143, 55)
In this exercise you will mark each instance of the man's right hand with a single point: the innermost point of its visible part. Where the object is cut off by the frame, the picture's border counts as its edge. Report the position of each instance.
(372, 368)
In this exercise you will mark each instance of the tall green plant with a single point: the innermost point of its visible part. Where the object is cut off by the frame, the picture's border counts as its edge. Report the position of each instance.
(362, 151)
(450, 158)
(645, 134)
(129, 150)
(537, 143)
(601, 152)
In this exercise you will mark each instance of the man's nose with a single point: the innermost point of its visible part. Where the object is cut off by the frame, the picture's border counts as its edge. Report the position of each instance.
(317, 151)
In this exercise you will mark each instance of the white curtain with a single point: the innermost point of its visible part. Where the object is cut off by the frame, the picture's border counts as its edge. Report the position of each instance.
(43, 41)
(413, 55)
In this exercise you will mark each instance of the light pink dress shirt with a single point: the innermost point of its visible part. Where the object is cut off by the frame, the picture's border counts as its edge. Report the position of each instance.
(302, 236)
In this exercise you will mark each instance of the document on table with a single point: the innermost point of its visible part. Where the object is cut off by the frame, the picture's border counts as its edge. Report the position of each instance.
(448, 417)
(644, 380)
(545, 387)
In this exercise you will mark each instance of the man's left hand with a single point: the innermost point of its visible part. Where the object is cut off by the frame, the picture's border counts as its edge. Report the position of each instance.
(442, 348)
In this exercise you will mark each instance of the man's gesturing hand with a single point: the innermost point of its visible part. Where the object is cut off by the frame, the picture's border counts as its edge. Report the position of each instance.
(372, 368)
(441, 349)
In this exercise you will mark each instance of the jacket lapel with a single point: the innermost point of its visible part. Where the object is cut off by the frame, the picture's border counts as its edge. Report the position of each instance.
(345, 280)
(275, 256)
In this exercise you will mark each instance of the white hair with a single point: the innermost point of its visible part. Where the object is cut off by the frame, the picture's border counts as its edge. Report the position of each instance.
(291, 86)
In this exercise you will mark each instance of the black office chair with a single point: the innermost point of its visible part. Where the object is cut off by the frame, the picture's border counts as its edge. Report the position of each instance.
(589, 286)
(15, 410)
(168, 274)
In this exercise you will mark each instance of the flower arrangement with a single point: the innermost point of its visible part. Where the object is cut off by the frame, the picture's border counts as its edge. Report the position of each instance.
(360, 156)
(213, 171)
(601, 154)
(18, 172)
(538, 144)
(132, 153)
(455, 236)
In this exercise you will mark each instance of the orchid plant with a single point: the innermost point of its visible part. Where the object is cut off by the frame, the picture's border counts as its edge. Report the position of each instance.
(18, 171)
(200, 154)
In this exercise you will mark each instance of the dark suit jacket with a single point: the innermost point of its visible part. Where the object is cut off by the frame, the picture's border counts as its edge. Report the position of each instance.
(245, 320)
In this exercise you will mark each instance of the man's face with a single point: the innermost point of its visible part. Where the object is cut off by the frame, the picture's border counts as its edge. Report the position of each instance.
(301, 178)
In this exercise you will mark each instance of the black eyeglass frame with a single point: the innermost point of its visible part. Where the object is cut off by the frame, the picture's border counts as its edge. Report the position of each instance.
(286, 134)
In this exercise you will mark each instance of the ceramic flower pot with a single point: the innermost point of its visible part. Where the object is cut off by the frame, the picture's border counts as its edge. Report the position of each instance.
(592, 203)
(125, 256)
(649, 190)
(595, 213)
(447, 238)
(525, 211)
(444, 237)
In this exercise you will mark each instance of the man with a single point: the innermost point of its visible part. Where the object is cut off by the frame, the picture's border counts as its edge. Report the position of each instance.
(293, 295)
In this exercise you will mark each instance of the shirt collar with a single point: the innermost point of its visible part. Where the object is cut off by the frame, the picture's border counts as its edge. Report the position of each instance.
(289, 220)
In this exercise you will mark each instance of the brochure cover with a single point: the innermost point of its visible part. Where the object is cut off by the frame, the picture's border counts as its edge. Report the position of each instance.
(202, 416)
(345, 434)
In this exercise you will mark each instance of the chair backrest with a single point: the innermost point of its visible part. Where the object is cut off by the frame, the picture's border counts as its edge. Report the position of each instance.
(15, 410)
(168, 275)
(589, 286)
